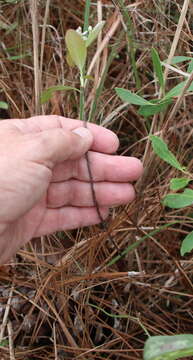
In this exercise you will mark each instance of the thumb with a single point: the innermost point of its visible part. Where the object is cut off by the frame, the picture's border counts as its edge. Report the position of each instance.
(56, 145)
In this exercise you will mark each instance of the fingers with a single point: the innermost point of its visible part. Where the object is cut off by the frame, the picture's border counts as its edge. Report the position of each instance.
(50, 147)
(77, 193)
(104, 168)
(69, 218)
(104, 140)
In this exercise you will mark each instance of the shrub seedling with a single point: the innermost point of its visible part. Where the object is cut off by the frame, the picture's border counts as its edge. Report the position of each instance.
(155, 106)
(177, 346)
(148, 108)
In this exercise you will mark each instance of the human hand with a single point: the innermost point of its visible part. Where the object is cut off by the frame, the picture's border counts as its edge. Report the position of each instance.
(44, 181)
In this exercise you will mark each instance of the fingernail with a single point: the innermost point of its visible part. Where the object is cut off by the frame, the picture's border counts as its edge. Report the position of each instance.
(82, 131)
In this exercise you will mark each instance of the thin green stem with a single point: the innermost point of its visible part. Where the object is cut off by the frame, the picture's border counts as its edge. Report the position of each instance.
(138, 242)
(86, 15)
(121, 316)
(81, 105)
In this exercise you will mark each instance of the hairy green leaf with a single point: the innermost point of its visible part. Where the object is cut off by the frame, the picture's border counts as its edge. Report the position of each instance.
(187, 244)
(157, 67)
(161, 149)
(168, 347)
(190, 66)
(148, 110)
(178, 59)
(178, 201)
(77, 48)
(178, 183)
(131, 98)
(69, 60)
(176, 91)
(47, 94)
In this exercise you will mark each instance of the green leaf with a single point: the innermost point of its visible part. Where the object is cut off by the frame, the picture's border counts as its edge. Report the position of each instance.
(178, 183)
(187, 244)
(47, 94)
(178, 201)
(157, 67)
(3, 105)
(94, 33)
(89, 77)
(69, 60)
(131, 98)
(178, 59)
(148, 110)
(77, 48)
(190, 66)
(176, 91)
(161, 149)
(168, 347)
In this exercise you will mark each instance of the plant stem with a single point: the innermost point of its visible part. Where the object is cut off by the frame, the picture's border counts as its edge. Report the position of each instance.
(81, 105)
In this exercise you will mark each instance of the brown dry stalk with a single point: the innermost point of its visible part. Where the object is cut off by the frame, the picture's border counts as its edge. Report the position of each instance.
(35, 32)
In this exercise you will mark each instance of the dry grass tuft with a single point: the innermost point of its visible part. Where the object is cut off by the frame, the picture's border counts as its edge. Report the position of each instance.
(60, 298)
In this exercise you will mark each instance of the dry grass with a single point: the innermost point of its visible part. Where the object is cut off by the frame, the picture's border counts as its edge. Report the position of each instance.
(47, 290)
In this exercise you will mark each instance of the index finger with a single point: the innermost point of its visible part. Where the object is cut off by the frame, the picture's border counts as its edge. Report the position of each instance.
(105, 140)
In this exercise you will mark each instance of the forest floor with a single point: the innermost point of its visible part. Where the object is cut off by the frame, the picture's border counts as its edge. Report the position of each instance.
(72, 295)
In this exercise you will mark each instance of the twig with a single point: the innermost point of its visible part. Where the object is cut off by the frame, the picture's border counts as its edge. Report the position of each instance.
(55, 344)
(10, 336)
